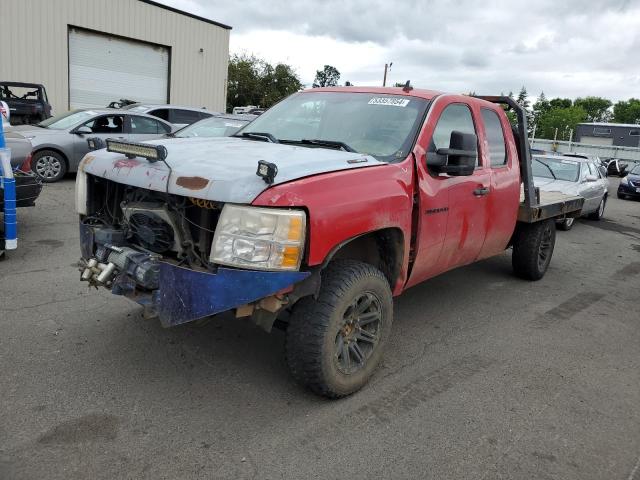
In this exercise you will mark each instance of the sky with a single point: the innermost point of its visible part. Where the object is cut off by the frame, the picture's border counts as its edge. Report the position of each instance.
(566, 48)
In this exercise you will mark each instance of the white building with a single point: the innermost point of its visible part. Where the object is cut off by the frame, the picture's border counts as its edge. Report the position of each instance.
(88, 53)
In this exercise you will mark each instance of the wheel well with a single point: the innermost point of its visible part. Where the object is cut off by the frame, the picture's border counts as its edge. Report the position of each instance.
(53, 149)
(384, 249)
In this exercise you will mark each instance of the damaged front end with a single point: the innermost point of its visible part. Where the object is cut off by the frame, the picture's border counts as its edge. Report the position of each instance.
(186, 258)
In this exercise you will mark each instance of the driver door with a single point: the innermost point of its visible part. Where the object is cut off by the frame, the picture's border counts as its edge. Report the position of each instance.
(103, 126)
(453, 212)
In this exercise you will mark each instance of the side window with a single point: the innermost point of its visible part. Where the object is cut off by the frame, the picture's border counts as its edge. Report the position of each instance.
(145, 126)
(594, 170)
(162, 113)
(204, 115)
(495, 137)
(584, 171)
(110, 124)
(455, 117)
(184, 116)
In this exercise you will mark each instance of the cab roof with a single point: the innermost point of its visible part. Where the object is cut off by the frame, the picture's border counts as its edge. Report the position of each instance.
(415, 92)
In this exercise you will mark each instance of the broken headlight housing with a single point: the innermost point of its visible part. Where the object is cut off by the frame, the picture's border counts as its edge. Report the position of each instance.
(259, 238)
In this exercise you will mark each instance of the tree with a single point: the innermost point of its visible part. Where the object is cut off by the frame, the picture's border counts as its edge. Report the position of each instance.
(564, 119)
(540, 108)
(522, 98)
(253, 81)
(597, 108)
(627, 111)
(560, 103)
(327, 77)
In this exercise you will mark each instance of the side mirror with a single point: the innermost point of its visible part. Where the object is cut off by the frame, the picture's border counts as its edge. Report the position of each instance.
(460, 158)
(591, 178)
(82, 130)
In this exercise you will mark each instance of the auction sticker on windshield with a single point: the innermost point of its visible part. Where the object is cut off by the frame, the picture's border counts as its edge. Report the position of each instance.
(394, 102)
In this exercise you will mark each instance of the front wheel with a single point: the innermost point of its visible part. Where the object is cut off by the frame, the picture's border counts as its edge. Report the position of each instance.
(49, 165)
(334, 343)
(565, 224)
(532, 249)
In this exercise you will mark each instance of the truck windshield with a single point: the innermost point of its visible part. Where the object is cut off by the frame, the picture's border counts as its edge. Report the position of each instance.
(566, 170)
(67, 120)
(383, 126)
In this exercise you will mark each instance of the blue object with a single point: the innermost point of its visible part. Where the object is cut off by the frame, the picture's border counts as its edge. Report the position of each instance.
(187, 295)
(9, 188)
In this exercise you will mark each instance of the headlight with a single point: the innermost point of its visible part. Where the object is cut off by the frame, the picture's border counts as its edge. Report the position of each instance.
(259, 238)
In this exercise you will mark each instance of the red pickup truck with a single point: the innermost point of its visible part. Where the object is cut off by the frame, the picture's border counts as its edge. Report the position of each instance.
(315, 215)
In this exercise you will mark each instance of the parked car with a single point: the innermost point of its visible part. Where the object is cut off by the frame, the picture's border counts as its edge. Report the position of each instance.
(218, 126)
(245, 109)
(325, 213)
(177, 115)
(59, 143)
(617, 167)
(27, 102)
(28, 184)
(630, 185)
(600, 163)
(122, 103)
(572, 176)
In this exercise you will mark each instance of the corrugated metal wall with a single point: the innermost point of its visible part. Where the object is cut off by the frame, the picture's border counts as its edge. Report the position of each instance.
(34, 45)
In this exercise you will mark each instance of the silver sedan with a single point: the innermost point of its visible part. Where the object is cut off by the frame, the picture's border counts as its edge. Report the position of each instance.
(572, 176)
(59, 143)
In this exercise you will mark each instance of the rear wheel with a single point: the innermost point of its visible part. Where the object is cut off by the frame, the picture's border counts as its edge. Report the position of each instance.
(334, 343)
(566, 224)
(532, 249)
(599, 213)
(49, 165)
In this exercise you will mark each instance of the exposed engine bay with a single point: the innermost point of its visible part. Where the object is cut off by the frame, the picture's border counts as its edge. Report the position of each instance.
(128, 229)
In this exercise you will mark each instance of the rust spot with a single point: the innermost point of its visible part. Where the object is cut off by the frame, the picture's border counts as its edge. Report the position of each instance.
(192, 183)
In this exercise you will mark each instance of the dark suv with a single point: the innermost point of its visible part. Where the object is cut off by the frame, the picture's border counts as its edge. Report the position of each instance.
(28, 102)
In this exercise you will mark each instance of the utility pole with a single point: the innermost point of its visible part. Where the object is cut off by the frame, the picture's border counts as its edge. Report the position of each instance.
(387, 67)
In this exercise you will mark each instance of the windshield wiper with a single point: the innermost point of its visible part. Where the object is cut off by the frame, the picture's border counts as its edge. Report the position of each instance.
(259, 135)
(323, 143)
(548, 168)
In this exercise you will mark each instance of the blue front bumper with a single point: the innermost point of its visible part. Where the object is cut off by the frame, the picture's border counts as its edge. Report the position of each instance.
(186, 295)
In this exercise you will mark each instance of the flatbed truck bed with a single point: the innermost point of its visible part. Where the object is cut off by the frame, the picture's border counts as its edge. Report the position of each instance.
(549, 205)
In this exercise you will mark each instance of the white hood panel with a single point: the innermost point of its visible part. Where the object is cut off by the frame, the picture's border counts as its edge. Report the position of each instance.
(220, 169)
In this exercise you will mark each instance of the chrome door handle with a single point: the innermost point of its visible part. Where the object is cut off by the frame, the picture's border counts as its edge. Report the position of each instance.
(479, 192)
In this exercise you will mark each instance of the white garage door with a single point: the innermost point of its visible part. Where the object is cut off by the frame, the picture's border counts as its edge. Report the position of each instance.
(596, 140)
(103, 69)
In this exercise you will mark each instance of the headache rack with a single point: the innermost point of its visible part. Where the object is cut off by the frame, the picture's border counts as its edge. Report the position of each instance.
(534, 204)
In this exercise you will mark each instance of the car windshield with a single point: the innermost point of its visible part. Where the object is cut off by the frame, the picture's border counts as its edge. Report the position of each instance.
(383, 126)
(212, 127)
(67, 120)
(559, 169)
(636, 170)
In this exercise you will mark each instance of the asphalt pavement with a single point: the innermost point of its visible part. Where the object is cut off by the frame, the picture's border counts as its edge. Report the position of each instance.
(485, 377)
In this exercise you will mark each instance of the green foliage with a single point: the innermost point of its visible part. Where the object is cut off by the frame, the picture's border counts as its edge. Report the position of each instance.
(254, 81)
(327, 77)
(597, 108)
(564, 119)
(627, 111)
(560, 103)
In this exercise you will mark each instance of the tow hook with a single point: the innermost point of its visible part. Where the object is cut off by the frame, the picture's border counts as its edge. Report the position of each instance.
(97, 273)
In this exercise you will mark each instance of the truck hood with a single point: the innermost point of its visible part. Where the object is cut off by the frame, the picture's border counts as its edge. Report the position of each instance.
(220, 169)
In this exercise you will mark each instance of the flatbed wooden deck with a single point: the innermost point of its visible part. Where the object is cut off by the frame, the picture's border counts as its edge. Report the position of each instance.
(551, 205)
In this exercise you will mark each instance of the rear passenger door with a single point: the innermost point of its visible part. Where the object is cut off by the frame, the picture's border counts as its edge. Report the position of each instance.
(145, 128)
(500, 154)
